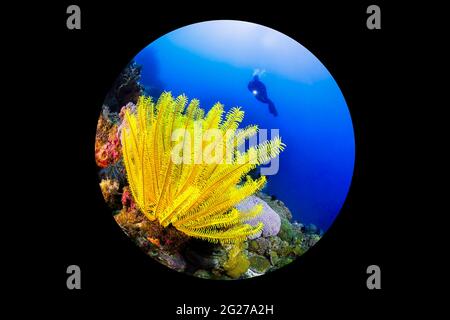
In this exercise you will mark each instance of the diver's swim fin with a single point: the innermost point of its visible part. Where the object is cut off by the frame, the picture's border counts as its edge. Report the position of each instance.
(272, 108)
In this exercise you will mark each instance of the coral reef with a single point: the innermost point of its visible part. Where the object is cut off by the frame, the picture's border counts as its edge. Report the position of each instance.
(245, 259)
(275, 241)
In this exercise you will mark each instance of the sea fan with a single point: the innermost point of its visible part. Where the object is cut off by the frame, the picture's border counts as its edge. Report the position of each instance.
(196, 195)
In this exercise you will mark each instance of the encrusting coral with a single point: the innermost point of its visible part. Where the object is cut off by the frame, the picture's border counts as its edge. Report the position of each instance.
(196, 196)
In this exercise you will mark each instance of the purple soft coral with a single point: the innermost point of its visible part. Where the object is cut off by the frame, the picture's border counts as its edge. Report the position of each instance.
(268, 216)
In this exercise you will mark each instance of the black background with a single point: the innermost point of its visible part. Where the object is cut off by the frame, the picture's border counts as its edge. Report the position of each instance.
(72, 70)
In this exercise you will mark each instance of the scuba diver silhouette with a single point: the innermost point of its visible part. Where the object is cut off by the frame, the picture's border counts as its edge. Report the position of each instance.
(260, 92)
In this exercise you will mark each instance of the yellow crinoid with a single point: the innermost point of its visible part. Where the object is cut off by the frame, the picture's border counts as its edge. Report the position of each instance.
(186, 168)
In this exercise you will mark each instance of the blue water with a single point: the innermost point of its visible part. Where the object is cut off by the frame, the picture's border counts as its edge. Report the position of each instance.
(214, 61)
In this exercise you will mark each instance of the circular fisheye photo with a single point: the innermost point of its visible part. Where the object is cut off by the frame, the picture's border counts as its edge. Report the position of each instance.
(225, 150)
